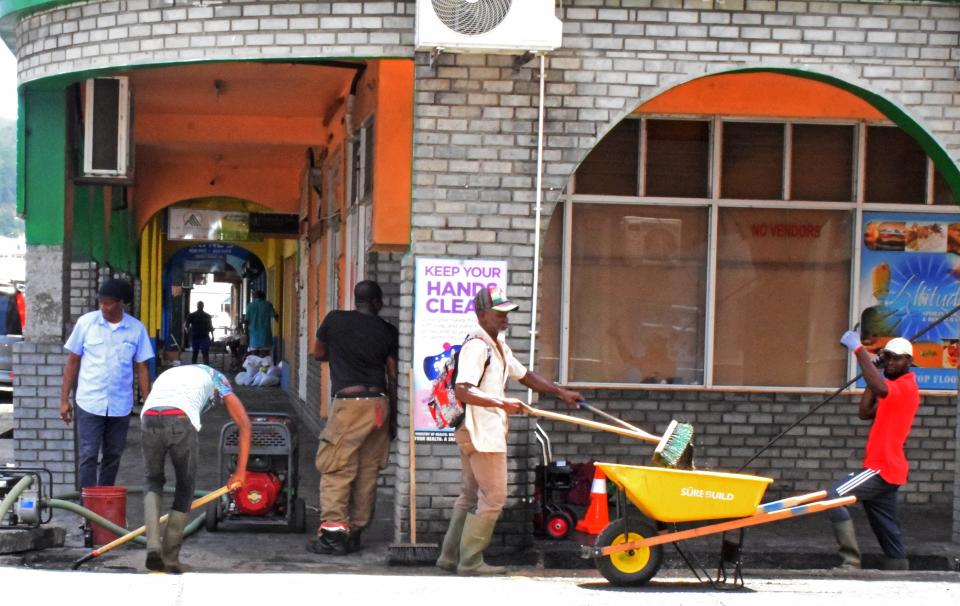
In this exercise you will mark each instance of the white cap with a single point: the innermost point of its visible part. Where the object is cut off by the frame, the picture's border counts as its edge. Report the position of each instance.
(899, 346)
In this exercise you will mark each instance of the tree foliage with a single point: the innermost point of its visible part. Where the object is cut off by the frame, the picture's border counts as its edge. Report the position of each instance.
(10, 225)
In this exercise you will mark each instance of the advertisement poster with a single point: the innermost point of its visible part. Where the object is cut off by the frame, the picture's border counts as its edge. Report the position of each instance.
(909, 278)
(202, 224)
(443, 315)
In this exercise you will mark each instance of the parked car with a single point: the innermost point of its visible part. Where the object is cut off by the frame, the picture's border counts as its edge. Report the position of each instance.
(12, 316)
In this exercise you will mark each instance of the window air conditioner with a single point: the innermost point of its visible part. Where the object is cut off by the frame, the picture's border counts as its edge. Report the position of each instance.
(106, 127)
(488, 26)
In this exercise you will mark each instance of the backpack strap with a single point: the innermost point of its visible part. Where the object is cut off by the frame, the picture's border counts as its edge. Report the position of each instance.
(485, 364)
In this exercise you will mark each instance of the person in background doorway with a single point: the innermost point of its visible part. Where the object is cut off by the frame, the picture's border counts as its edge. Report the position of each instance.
(362, 350)
(200, 325)
(259, 318)
(105, 350)
(484, 365)
(170, 422)
(890, 401)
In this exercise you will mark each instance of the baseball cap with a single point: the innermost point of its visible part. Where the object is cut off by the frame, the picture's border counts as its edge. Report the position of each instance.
(899, 346)
(493, 298)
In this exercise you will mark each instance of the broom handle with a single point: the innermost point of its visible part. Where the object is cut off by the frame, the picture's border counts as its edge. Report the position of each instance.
(556, 416)
(840, 390)
(607, 415)
(216, 494)
(413, 461)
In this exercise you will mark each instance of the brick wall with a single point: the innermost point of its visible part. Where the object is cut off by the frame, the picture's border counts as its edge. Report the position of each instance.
(40, 437)
(475, 139)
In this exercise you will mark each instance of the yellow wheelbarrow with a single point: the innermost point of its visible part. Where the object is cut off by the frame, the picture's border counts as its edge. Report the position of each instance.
(629, 551)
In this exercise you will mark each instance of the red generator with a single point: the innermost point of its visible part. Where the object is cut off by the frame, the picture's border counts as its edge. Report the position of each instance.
(268, 497)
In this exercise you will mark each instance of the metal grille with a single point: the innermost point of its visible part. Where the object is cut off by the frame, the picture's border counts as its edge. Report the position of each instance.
(471, 17)
(262, 437)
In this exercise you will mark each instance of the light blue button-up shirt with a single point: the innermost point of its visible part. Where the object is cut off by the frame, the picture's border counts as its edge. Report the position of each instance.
(107, 354)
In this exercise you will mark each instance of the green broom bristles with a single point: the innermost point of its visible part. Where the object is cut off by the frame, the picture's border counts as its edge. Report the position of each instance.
(675, 443)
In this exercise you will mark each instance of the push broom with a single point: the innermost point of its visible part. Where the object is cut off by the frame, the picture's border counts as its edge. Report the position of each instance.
(671, 446)
(413, 553)
(216, 494)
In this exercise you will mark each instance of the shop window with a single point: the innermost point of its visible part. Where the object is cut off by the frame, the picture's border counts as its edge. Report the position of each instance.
(551, 294)
(941, 190)
(896, 167)
(822, 163)
(611, 167)
(783, 284)
(637, 292)
(678, 158)
(752, 164)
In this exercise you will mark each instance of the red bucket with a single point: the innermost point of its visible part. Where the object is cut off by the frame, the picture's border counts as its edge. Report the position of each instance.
(111, 503)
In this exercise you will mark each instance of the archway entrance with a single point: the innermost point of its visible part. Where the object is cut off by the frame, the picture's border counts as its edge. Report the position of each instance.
(219, 274)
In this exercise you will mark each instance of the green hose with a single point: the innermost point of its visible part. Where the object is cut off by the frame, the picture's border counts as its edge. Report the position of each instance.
(96, 518)
(14, 494)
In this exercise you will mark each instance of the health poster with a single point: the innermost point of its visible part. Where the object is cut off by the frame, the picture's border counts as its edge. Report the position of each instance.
(909, 278)
(443, 315)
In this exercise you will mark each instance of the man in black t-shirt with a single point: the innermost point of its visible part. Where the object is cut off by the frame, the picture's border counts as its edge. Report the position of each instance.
(362, 350)
(200, 325)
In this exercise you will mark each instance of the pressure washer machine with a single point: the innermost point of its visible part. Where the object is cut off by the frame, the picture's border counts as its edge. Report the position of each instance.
(553, 478)
(269, 496)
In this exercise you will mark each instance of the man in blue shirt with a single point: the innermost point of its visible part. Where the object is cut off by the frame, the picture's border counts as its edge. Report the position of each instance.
(103, 350)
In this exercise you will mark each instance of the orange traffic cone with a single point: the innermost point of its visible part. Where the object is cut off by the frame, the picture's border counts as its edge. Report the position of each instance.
(597, 517)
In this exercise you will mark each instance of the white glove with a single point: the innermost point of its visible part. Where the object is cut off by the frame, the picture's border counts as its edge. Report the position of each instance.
(851, 340)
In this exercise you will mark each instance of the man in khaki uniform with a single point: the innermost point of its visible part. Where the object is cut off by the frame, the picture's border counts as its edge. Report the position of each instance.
(362, 351)
(484, 363)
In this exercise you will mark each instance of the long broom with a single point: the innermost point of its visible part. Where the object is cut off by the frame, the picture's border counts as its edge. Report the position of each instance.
(839, 391)
(671, 446)
(216, 494)
(413, 553)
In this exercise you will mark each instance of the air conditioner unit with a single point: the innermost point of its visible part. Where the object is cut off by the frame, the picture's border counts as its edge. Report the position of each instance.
(106, 137)
(488, 26)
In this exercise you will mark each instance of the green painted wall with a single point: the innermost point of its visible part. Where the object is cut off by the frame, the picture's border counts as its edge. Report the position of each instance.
(88, 242)
(119, 248)
(42, 173)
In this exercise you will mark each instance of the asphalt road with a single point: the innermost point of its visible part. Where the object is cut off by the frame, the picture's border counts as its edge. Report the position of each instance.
(103, 589)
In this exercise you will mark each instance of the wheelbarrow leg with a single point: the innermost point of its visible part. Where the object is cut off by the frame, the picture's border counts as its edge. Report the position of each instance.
(731, 552)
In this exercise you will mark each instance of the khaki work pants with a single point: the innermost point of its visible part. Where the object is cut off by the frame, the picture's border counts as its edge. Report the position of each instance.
(484, 483)
(354, 447)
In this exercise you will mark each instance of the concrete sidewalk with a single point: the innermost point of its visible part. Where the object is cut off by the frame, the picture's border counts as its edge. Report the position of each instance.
(797, 544)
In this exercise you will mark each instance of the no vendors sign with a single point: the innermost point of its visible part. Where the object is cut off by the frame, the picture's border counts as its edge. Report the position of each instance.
(443, 315)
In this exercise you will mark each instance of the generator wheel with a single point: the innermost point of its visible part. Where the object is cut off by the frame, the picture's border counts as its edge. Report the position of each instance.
(298, 517)
(558, 525)
(634, 567)
(572, 513)
(211, 517)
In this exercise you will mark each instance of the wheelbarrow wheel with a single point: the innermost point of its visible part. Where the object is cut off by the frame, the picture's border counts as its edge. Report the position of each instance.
(634, 567)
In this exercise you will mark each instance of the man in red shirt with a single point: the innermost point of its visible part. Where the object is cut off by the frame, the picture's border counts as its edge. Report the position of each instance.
(891, 400)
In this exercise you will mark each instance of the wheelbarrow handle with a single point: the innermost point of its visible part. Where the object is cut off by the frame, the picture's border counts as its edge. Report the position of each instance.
(216, 494)
(582, 404)
(556, 416)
